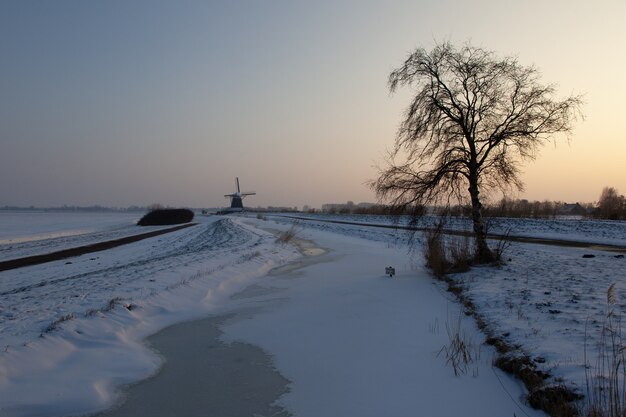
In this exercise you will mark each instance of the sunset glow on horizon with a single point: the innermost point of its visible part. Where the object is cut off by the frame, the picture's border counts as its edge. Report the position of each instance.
(122, 103)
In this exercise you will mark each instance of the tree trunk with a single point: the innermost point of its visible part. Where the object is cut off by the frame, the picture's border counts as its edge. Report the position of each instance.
(483, 253)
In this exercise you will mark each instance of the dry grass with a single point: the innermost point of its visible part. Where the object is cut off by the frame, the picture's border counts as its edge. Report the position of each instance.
(55, 324)
(460, 352)
(446, 255)
(504, 243)
(435, 253)
(606, 385)
(288, 235)
(460, 254)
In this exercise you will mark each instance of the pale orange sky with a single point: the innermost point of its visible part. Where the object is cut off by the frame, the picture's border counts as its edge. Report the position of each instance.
(137, 102)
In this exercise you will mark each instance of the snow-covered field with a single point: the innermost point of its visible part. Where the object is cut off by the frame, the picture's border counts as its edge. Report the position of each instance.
(607, 232)
(22, 226)
(552, 302)
(26, 233)
(71, 330)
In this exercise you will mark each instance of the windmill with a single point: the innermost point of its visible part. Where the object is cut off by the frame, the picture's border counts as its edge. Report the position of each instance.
(236, 199)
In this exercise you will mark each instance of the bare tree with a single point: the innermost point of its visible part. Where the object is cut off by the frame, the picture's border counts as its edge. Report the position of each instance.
(473, 119)
(611, 205)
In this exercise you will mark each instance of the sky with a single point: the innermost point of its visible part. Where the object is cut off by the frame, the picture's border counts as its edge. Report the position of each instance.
(129, 102)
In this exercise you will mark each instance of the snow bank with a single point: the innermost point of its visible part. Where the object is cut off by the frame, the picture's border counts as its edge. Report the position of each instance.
(96, 343)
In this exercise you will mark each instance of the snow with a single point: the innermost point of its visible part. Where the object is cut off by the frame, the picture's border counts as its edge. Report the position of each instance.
(358, 343)
(76, 367)
(609, 232)
(21, 226)
(551, 301)
(28, 233)
(351, 340)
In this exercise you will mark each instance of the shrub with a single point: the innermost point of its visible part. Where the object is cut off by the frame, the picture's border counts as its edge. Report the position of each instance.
(450, 255)
(460, 254)
(288, 235)
(163, 217)
(436, 253)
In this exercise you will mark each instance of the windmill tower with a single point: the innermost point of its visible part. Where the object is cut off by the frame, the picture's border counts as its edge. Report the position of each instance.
(236, 199)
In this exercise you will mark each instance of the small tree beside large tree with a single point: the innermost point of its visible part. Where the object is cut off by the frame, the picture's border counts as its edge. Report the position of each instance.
(473, 119)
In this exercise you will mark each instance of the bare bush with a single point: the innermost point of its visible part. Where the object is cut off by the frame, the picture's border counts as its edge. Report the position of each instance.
(447, 255)
(502, 246)
(435, 252)
(460, 253)
(288, 235)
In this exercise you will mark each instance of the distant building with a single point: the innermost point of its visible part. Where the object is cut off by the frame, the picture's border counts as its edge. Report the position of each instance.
(574, 209)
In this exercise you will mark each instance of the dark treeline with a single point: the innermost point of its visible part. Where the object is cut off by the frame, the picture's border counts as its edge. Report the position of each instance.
(67, 208)
(610, 206)
(379, 209)
(504, 208)
(522, 208)
(371, 209)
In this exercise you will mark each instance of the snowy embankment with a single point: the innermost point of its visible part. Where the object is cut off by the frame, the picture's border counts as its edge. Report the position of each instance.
(552, 302)
(72, 330)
